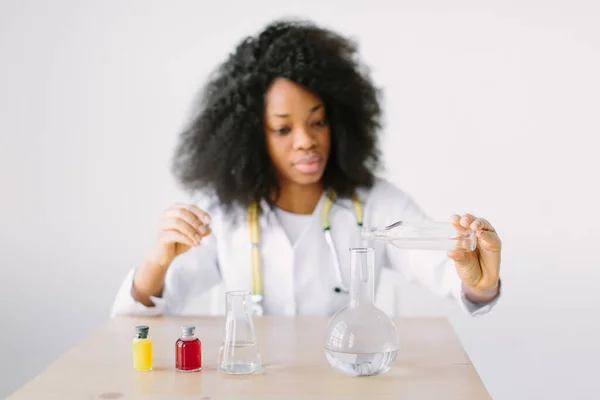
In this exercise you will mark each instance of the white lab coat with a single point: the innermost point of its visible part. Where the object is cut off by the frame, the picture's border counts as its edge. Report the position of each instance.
(298, 279)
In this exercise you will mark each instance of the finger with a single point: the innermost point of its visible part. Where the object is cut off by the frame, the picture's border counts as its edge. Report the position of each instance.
(191, 218)
(466, 220)
(204, 230)
(184, 214)
(457, 255)
(455, 220)
(180, 225)
(173, 236)
(489, 240)
(481, 224)
(202, 216)
(456, 223)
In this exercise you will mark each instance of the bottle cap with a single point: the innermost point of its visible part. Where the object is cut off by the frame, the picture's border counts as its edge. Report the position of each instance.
(188, 330)
(142, 331)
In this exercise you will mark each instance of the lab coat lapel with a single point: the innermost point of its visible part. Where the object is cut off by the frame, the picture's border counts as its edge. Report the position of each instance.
(277, 265)
(314, 272)
(284, 274)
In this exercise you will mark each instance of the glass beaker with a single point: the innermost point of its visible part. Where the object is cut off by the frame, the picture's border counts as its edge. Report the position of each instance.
(423, 235)
(239, 352)
(360, 338)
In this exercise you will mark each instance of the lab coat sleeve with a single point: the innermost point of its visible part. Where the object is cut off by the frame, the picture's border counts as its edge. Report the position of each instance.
(432, 269)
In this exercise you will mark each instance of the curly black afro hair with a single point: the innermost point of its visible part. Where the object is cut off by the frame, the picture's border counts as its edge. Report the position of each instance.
(223, 149)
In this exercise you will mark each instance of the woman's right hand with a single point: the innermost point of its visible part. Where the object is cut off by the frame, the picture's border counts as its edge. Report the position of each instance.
(182, 226)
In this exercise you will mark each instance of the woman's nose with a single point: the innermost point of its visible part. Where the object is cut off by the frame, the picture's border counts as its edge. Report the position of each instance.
(303, 139)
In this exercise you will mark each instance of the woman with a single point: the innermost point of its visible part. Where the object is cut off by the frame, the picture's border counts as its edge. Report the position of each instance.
(284, 144)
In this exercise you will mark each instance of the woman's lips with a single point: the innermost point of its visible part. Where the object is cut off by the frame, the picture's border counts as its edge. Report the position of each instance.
(309, 165)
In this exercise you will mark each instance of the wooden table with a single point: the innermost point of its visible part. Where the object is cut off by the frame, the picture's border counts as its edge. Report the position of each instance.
(431, 364)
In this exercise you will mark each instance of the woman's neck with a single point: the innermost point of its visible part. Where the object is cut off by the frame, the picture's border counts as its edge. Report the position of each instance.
(299, 199)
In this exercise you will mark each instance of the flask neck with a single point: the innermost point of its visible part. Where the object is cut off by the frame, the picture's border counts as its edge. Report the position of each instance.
(362, 263)
(238, 304)
(238, 325)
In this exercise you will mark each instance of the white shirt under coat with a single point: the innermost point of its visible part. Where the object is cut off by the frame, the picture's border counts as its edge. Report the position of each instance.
(298, 274)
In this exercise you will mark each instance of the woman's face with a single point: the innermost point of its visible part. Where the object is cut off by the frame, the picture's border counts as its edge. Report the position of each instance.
(297, 132)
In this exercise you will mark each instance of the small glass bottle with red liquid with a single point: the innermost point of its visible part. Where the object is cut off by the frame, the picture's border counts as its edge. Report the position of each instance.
(188, 351)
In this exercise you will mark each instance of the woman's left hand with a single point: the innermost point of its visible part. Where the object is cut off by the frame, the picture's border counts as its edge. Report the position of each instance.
(479, 270)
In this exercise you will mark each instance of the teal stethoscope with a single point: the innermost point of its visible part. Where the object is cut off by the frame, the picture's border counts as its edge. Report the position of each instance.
(257, 284)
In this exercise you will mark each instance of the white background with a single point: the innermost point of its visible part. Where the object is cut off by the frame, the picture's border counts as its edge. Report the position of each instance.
(490, 109)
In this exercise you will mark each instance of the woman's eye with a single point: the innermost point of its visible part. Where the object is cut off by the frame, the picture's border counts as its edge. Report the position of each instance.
(282, 131)
(320, 122)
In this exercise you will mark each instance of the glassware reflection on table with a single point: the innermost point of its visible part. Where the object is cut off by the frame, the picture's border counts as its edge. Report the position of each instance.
(361, 339)
(422, 235)
(239, 352)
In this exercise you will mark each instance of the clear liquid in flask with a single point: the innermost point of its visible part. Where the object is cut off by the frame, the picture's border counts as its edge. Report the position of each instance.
(361, 364)
(244, 359)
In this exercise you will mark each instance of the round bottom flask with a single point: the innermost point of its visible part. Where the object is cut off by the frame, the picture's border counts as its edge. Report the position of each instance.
(361, 340)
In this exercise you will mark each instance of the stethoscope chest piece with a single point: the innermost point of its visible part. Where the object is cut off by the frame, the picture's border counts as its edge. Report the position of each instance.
(257, 304)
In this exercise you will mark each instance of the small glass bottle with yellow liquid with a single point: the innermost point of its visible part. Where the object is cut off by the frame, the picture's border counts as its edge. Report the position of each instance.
(142, 349)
